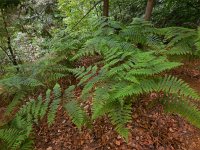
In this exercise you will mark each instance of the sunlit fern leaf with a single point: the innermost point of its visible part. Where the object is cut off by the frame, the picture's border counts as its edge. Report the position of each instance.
(157, 68)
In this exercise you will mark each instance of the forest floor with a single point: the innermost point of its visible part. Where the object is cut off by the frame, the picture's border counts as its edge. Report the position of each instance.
(151, 129)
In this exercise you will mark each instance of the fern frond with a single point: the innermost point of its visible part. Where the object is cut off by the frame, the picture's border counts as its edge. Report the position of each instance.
(54, 105)
(120, 115)
(183, 108)
(46, 104)
(76, 113)
(27, 145)
(16, 100)
(9, 136)
(171, 84)
(100, 105)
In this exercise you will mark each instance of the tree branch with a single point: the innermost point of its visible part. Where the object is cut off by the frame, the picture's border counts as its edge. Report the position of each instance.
(87, 13)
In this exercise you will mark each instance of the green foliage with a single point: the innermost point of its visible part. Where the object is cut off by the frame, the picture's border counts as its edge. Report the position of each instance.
(32, 76)
(142, 35)
(76, 113)
(184, 108)
(79, 117)
(54, 105)
(74, 11)
(182, 13)
(19, 134)
(180, 41)
(166, 13)
(20, 142)
(120, 115)
(127, 71)
(35, 110)
(133, 61)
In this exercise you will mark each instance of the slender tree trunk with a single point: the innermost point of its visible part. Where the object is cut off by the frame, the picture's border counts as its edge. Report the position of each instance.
(14, 61)
(106, 8)
(149, 9)
(9, 46)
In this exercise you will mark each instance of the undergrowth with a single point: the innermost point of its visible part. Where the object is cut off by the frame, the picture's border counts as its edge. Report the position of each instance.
(134, 61)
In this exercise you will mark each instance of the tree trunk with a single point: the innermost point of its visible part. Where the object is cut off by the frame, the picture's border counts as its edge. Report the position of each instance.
(149, 9)
(9, 46)
(14, 61)
(106, 8)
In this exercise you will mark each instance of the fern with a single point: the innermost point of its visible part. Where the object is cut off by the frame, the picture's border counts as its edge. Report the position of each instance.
(173, 85)
(100, 103)
(133, 61)
(131, 65)
(54, 105)
(9, 136)
(120, 115)
(183, 108)
(76, 113)
(180, 41)
(18, 136)
(16, 101)
(46, 104)
(79, 117)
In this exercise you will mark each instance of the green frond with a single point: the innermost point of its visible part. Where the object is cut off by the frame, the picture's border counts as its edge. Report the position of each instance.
(183, 108)
(27, 145)
(76, 113)
(36, 109)
(132, 62)
(17, 82)
(87, 75)
(178, 51)
(18, 134)
(69, 95)
(56, 76)
(9, 135)
(120, 115)
(16, 100)
(173, 85)
(100, 105)
(46, 104)
(54, 105)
